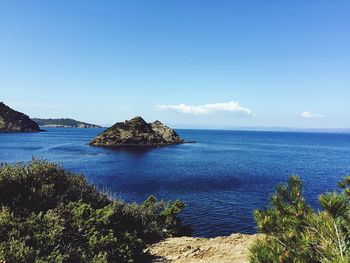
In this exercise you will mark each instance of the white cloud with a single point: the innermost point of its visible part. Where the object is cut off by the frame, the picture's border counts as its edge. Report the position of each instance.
(310, 115)
(231, 106)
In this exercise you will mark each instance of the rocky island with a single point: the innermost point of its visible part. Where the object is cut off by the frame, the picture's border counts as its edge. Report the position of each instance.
(14, 121)
(137, 132)
(64, 123)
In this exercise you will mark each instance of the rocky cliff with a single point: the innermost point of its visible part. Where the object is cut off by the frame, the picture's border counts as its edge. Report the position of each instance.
(14, 121)
(137, 132)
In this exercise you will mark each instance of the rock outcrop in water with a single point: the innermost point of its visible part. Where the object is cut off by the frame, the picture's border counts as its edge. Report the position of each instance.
(137, 132)
(14, 121)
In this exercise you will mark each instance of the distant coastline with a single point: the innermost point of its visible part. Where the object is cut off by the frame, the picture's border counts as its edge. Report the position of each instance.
(63, 123)
(265, 129)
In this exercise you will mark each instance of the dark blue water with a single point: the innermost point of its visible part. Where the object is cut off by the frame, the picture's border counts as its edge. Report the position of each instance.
(222, 178)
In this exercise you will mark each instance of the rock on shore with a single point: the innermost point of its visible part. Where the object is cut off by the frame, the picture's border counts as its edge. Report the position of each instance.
(137, 132)
(14, 121)
(225, 249)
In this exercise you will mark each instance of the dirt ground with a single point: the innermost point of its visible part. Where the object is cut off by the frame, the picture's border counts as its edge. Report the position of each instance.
(233, 249)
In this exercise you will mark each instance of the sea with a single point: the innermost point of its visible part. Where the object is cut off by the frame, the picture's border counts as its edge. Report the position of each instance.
(222, 178)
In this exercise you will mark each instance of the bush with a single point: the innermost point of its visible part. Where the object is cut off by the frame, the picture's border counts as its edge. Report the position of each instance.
(296, 233)
(41, 186)
(50, 215)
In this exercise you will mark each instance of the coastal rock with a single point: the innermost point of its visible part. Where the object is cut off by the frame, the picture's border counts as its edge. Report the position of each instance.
(14, 121)
(137, 132)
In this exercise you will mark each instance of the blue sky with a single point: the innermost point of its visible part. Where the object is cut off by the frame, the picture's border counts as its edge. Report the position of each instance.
(190, 63)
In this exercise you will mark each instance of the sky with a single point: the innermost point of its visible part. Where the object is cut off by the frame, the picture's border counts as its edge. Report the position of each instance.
(188, 63)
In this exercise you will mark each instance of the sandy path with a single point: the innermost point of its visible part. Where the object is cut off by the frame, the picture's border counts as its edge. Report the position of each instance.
(234, 248)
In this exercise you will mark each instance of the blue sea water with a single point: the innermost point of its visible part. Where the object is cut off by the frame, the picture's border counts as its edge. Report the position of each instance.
(222, 178)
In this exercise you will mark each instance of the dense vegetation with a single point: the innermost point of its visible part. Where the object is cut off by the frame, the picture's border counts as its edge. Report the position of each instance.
(294, 232)
(50, 215)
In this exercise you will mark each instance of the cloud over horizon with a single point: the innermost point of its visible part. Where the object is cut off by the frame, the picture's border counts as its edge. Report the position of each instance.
(231, 107)
(310, 115)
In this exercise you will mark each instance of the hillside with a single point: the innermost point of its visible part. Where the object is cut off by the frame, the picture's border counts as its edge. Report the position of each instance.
(14, 121)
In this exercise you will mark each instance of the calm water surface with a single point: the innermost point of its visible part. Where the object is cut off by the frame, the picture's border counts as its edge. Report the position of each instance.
(221, 178)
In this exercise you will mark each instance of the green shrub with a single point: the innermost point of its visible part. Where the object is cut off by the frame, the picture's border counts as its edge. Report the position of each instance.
(296, 233)
(50, 215)
(41, 186)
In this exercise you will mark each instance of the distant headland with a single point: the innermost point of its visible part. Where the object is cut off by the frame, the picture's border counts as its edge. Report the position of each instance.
(64, 123)
(137, 132)
(14, 121)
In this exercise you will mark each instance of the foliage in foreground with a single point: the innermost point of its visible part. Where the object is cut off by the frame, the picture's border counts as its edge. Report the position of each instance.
(50, 215)
(296, 233)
